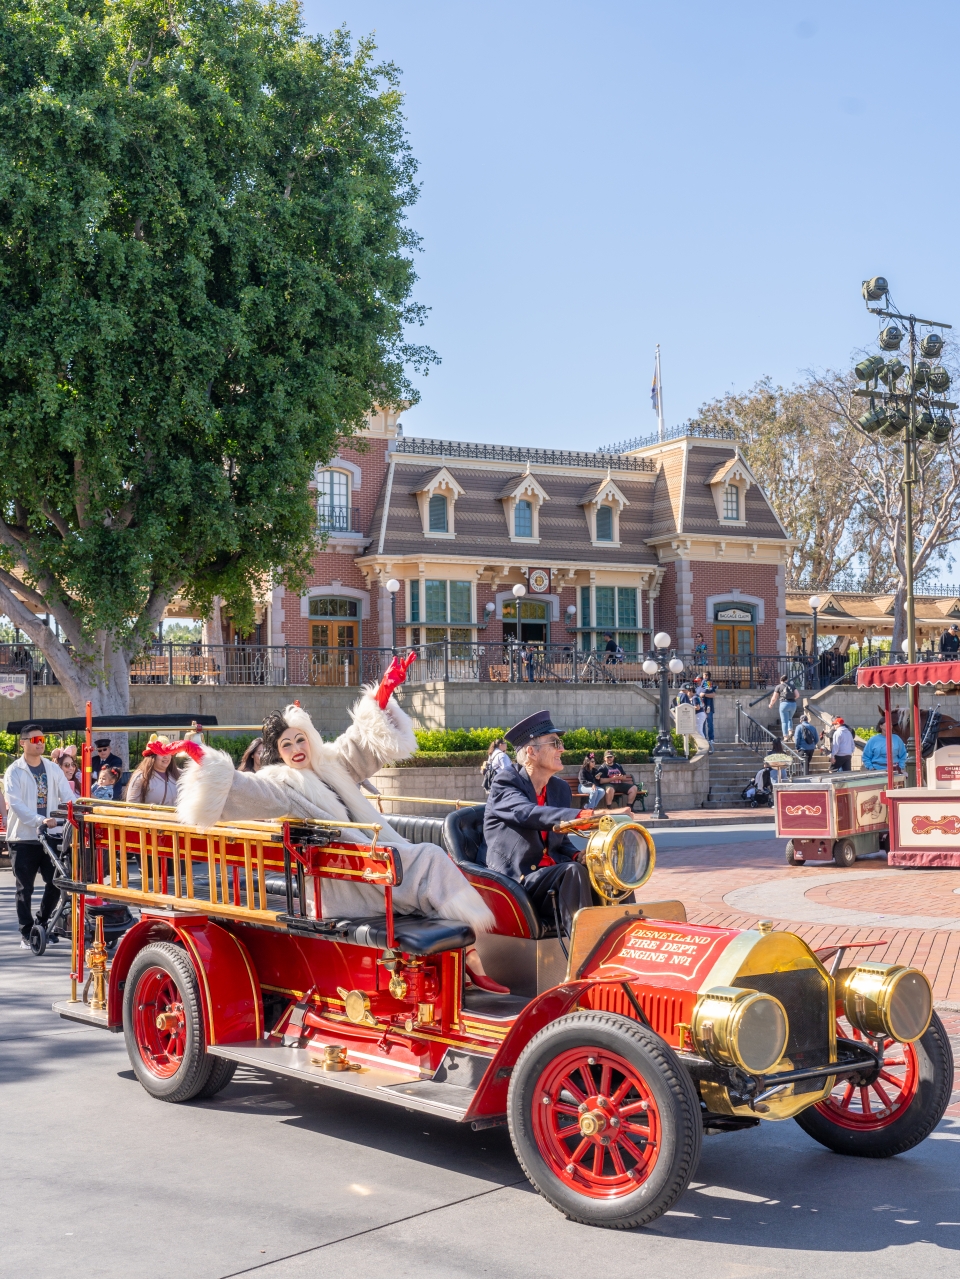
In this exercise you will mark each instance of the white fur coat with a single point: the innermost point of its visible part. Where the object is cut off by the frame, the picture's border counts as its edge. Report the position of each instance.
(214, 791)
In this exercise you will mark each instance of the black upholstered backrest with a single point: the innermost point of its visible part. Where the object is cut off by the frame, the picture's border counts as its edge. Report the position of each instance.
(463, 835)
(419, 830)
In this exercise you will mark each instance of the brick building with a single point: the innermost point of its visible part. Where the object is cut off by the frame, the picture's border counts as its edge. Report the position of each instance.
(674, 535)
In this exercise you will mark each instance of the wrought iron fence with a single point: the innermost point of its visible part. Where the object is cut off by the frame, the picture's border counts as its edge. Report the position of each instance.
(338, 519)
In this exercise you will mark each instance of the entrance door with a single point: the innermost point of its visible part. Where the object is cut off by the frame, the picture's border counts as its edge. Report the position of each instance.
(730, 640)
(335, 663)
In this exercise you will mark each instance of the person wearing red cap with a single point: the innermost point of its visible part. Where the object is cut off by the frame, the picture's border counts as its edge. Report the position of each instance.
(841, 747)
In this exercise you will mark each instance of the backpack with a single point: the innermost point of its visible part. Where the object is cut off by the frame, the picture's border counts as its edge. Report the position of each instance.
(792, 694)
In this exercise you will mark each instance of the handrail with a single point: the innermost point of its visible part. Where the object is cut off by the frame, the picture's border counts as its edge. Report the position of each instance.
(762, 736)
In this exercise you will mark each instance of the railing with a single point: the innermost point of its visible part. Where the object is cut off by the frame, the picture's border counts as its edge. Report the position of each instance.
(746, 670)
(338, 519)
(760, 740)
(599, 461)
(698, 430)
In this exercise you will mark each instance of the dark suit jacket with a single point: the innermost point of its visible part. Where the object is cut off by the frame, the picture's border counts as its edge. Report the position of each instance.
(513, 821)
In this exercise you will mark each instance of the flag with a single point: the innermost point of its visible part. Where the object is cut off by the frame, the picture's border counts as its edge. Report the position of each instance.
(655, 393)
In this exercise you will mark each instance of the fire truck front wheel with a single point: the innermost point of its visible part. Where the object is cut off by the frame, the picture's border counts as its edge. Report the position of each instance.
(604, 1120)
(163, 1024)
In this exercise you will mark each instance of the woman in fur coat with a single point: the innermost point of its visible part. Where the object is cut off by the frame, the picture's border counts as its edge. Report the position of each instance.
(303, 776)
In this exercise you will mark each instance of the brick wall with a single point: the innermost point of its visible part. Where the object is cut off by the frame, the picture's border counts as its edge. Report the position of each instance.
(716, 578)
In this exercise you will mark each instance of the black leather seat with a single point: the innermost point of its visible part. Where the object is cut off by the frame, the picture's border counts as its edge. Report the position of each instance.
(418, 830)
(412, 933)
(463, 840)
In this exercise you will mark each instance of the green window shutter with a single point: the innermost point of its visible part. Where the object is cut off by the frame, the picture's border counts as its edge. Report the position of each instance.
(626, 606)
(606, 617)
(460, 602)
(585, 619)
(415, 601)
(436, 601)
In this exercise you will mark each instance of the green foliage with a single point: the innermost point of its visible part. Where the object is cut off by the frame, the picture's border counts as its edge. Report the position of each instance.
(594, 739)
(8, 743)
(205, 280)
(443, 759)
(182, 632)
(234, 746)
(865, 733)
(457, 739)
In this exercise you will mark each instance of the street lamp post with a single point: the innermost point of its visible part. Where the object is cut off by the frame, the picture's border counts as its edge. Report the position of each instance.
(815, 601)
(393, 586)
(657, 664)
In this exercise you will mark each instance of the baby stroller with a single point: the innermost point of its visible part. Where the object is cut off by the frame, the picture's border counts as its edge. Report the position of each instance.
(116, 917)
(759, 792)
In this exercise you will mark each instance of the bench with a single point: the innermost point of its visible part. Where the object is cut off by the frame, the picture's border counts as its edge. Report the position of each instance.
(161, 668)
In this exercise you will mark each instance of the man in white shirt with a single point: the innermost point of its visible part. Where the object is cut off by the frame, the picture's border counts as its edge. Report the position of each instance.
(841, 747)
(33, 788)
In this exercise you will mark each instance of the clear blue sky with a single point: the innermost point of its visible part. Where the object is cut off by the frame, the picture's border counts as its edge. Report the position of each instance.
(601, 177)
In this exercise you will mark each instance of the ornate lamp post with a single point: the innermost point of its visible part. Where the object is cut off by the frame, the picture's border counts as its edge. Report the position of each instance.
(393, 586)
(657, 663)
(815, 601)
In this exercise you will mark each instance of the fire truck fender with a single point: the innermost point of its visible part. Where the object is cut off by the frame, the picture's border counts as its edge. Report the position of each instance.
(229, 989)
(491, 1097)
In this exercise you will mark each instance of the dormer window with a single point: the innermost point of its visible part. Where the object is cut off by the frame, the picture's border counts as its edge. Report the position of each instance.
(438, 514)
(730, 483)
(731, 502)
(603, 504)
(523, 518)
(437, 501)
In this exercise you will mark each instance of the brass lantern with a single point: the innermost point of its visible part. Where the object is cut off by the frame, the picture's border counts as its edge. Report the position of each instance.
(892, 372)
(890, 338)
(886, 999)
(938, 379)
(619, 855)
(931, 346)
(875, 289)
(869, 368)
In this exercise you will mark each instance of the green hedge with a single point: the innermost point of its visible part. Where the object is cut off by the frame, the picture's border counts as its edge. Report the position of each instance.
(575, 739)
(476, 759)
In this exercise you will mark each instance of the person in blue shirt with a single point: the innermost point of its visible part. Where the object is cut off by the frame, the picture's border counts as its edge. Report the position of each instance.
(875, 753)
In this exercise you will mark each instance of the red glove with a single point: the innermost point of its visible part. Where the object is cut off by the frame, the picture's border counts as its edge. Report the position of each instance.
(395, 676)
(193, 749)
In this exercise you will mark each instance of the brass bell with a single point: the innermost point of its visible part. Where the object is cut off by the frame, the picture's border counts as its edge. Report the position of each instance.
(875, 289)
(891, 372)
(925, 424)
(931, 346)
(872, 421)
(938, 379)
(890, 338)
(869, 368)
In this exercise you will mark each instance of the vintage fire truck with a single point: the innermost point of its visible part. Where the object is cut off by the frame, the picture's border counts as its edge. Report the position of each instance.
(609, 1059)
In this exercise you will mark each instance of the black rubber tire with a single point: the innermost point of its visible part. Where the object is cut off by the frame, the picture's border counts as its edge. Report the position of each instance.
(222, 1073)
(935, 1062)
(790, 855)
(844, 852)
(194, 1071)
(38, 939)
(676, 1099)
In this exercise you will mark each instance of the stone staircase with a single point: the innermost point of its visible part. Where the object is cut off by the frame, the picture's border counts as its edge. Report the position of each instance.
(732, 765)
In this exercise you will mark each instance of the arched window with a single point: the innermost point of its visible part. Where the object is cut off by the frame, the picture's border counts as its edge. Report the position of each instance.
(333, 502)
(604, 524)
(523, 519)
(438, 513)
(731, 502)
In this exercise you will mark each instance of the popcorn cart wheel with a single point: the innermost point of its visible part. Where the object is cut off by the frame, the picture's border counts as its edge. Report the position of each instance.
(604, 1120)
(883, 1112)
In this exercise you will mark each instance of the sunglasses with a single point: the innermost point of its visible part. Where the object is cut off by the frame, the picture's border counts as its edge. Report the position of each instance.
(36, 741)
(552, 743)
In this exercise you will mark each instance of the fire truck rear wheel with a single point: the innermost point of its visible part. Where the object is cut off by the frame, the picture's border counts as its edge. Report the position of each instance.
(604, 1120)
(163, 1024)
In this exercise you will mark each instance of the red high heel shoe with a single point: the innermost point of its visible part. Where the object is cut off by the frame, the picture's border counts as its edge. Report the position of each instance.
(483, 982)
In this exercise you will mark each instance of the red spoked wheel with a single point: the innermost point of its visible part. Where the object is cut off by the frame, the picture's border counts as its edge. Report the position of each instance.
(160, 1026)
(163, 1024)
(865, 1107)
(597, 1123)
(604, 1120)
(877, 1114)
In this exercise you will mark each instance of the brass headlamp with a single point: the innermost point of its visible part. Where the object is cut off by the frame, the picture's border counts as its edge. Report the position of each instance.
(744, 1028)
(620, 857)
(886, 999)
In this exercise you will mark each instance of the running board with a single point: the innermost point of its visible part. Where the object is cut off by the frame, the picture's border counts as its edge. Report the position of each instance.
(402, 1088)
(77, 1010)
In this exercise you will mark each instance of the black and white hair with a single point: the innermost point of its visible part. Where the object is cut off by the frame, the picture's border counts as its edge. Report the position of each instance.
(274, 726)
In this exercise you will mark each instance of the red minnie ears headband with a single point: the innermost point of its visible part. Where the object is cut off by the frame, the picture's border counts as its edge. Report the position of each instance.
(188, 746)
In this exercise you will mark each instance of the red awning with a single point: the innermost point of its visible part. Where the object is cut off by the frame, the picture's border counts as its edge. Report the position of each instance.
(908, 674)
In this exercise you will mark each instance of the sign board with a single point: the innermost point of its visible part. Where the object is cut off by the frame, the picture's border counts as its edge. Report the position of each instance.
(685, 718)
(13, 685)
(734, 615)
(539, 580)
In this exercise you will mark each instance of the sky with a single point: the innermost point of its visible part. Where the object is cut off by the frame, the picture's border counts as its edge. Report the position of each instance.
(599, 178)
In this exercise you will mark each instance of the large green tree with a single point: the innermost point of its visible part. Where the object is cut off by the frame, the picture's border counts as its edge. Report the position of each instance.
(205, 281)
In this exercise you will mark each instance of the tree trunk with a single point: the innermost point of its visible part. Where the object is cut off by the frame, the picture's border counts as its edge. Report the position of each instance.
(111, 697)
(213, 635)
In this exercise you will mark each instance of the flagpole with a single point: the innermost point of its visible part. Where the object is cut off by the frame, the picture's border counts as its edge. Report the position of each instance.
(659, 399)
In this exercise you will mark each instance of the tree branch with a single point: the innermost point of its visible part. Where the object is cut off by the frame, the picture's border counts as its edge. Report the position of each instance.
(57, 520)
(54, 651)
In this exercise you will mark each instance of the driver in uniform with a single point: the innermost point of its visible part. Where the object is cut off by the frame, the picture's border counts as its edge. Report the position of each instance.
(527, 800)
